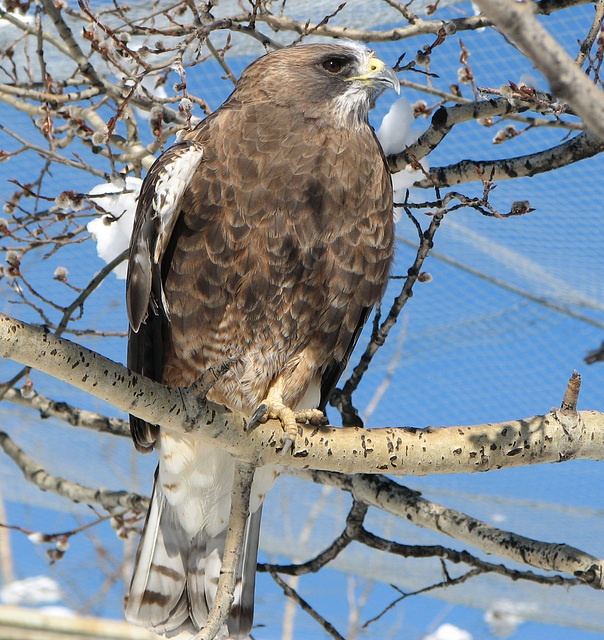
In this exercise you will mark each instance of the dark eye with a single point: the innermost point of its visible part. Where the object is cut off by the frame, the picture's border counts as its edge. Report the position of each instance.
(332, 65)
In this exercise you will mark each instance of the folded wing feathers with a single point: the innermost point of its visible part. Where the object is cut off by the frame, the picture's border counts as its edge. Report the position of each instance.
(160, 201)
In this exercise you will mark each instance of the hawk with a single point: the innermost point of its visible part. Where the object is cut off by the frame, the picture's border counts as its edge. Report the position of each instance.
(263, 237)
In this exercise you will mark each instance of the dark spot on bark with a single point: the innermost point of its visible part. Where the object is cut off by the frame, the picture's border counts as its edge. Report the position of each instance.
(439, 119)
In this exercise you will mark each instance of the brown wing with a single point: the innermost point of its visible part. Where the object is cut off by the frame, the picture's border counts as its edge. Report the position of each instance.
(158, 209)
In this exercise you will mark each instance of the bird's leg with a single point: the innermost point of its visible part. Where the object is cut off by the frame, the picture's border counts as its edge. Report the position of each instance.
(273, 408)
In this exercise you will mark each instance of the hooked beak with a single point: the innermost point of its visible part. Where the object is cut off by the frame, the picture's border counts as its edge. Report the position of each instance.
(379, 74)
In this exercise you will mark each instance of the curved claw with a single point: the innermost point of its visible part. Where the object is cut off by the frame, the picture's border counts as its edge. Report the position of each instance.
(260, 417)
(287, 443)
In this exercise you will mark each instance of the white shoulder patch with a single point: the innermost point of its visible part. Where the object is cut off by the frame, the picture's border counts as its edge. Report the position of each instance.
(169, 189)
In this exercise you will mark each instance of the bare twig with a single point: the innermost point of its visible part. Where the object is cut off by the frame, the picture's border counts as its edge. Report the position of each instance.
(379, 337)
(291, 593)
(517, 20)
(69, 414)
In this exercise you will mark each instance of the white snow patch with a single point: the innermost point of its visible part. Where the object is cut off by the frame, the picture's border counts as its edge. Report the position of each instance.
(504, 616)
(58, 612)
(449, 632)
(113, 236)
(395, 133)
(31, 591)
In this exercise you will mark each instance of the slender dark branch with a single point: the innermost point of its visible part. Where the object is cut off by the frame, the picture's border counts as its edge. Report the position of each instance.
(457, 557)
(293, 594)
(379, 337)
(92, 285)
(354, 520)
(448, 582)
(595, 355)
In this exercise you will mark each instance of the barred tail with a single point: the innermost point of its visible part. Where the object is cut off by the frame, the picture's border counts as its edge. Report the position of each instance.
(176, 575)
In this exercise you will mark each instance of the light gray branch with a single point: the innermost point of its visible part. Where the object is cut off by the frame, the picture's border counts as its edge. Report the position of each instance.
(390, 497)
(417, 28)
(553, 437)
(240, 509)
(518, 22)
(74, 416)
(36, 474)
(445, 119)
(583, 146)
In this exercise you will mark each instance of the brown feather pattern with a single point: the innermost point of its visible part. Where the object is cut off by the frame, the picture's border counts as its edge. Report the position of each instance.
(279, 244)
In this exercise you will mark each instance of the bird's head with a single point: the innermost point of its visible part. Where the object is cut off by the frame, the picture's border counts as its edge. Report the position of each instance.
(339, 79)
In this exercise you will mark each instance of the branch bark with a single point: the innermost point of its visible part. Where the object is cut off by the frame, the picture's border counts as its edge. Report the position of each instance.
(585, 145)
(554, 437)
(390, 497)
(71, 490)
(48, 408)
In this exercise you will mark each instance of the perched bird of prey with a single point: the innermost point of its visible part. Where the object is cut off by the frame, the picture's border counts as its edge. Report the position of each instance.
(263, 237)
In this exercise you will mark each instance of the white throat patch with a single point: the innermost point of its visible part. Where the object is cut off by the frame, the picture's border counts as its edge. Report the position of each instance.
(352, 107)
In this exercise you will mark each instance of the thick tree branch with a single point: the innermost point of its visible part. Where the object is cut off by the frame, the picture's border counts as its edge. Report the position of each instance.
(585, 145)
(36, 474)
(554, 437)
(390, 497)
(445, 119)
